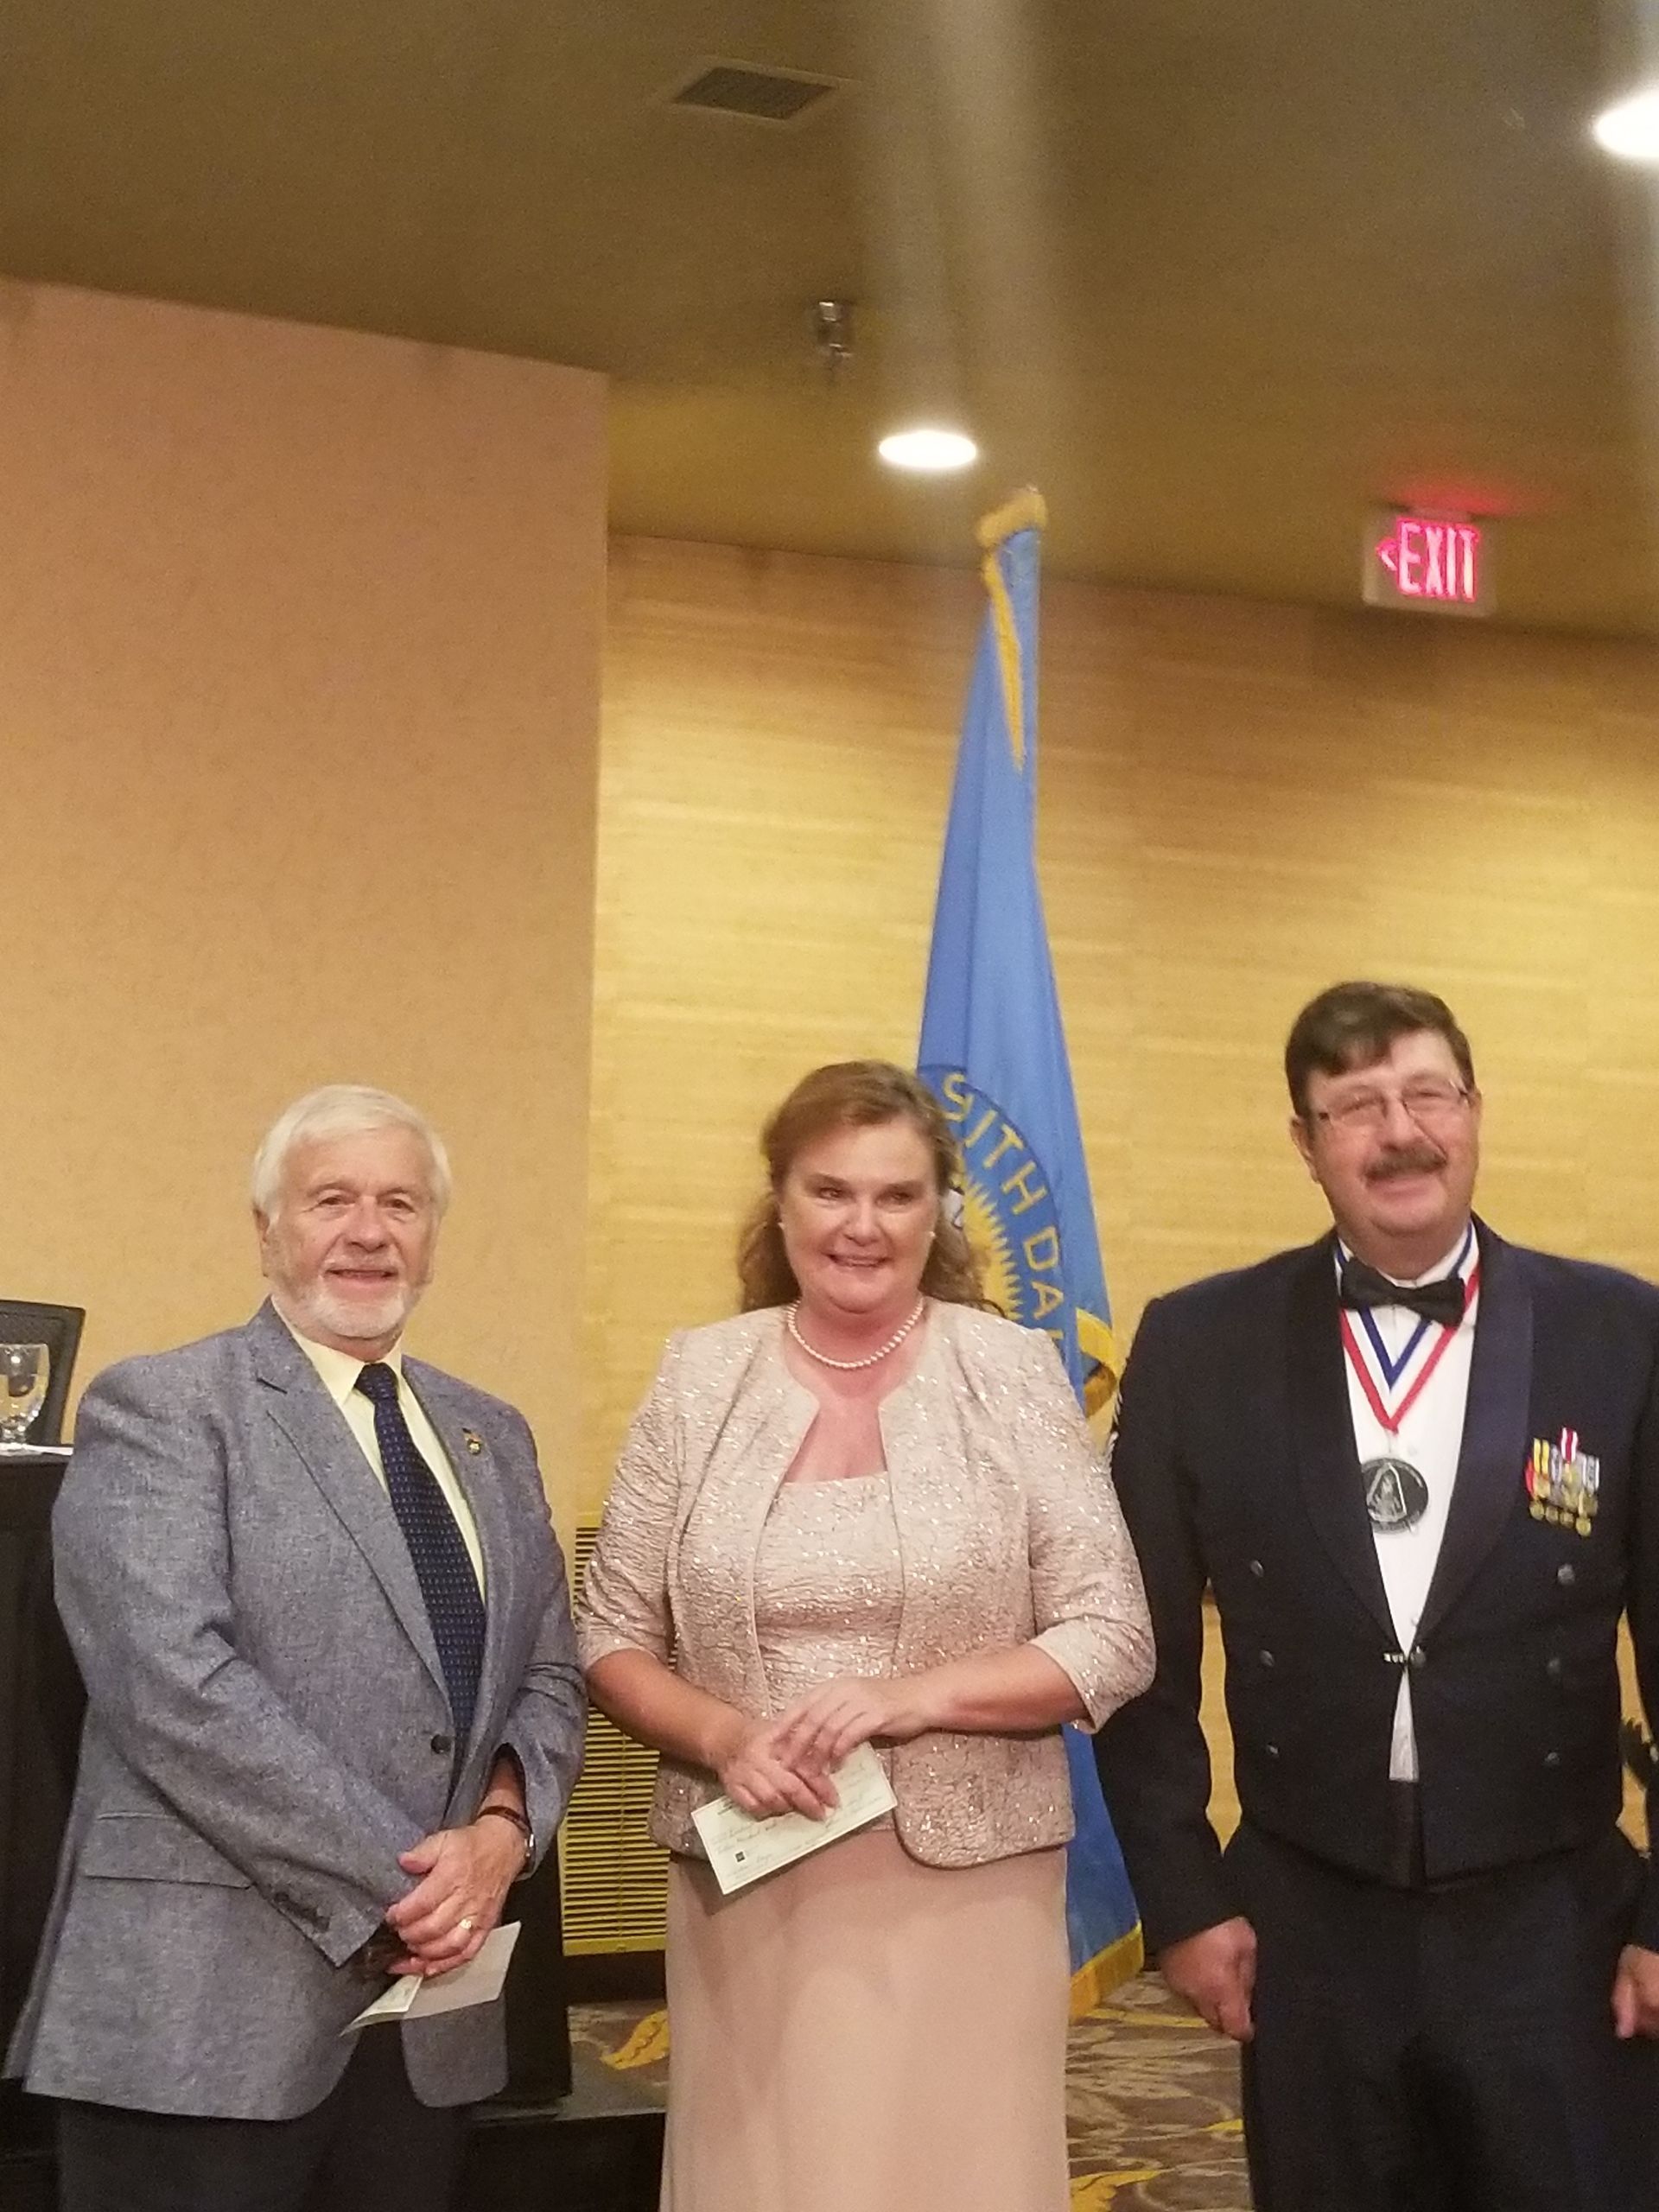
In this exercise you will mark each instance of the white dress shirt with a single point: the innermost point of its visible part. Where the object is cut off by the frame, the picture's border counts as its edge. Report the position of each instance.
(338, 1372)
(1430, 1438)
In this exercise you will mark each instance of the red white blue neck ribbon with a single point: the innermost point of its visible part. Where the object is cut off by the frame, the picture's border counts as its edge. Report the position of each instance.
(1394, 1369)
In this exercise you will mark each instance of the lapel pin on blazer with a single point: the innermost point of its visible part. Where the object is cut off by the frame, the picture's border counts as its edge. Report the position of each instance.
(474, 1441)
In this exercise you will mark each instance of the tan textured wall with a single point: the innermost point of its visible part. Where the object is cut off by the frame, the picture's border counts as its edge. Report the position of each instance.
(299, 667)
(1239, 803)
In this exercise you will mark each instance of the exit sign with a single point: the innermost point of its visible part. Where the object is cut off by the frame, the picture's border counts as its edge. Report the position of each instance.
(1435, 564)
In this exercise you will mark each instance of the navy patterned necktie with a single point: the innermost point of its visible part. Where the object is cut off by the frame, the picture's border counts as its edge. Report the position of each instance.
(441, 1566)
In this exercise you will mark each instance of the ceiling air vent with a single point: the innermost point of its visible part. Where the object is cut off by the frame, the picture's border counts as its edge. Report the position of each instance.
(757, 95)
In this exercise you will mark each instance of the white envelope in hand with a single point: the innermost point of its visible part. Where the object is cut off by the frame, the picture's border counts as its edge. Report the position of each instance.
(418, 1996)
(741, 1849)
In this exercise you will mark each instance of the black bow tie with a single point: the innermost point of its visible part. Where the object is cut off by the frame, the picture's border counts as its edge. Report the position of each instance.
(1441, 1301)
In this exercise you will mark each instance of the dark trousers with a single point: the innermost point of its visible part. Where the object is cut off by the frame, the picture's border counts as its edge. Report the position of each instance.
(1444, 2050)
(369, 2142)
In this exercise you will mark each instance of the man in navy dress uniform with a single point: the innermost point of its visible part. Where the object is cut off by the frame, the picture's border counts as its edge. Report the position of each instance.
(1419, 1469)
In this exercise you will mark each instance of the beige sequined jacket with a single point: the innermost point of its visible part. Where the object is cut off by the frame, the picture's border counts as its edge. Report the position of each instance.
(1008, 1529)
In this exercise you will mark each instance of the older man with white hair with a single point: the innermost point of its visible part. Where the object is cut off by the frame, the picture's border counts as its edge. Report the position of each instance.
(334, 1712)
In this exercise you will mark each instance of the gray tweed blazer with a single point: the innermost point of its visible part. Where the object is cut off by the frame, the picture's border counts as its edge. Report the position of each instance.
(267, 1728)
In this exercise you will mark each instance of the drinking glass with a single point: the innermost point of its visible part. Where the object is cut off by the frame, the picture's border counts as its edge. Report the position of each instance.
(23, 1372)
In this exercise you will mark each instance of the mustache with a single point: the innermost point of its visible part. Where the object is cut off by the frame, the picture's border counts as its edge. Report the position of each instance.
(1406, 1159)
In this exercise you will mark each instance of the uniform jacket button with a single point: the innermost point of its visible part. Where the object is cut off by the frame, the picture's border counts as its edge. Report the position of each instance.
(1257, 1569)
(1552, 1759)
(443, 1746)
(1268, 1659)
(1553, 1668)
(1566, 1576)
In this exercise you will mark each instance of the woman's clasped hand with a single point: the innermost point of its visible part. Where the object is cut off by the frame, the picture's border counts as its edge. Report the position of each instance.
(787, 1763)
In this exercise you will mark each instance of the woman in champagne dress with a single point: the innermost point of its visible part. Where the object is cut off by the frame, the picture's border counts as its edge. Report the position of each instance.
(865, 1510)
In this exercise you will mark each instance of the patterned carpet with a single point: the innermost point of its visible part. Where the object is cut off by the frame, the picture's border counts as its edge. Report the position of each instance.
(1152, 2099)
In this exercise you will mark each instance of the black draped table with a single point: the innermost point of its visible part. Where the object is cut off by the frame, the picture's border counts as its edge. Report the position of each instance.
(40, 1705)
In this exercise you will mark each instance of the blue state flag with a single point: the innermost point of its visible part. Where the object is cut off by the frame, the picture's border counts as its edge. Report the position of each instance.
(993, 1051)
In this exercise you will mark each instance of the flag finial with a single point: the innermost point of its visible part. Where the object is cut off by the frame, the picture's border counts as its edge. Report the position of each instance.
(1026, 510)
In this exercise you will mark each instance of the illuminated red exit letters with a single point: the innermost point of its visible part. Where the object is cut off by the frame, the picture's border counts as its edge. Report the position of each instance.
(1434, 560)
(1436, 563)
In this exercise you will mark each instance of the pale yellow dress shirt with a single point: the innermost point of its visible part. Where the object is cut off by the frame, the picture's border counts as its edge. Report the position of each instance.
(338, 1372)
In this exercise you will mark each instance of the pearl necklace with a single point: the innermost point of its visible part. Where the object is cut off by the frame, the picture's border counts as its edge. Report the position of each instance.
(850, 1366)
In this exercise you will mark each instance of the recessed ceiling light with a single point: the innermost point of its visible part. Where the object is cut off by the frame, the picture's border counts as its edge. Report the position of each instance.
(931, 451)
(1630, 127)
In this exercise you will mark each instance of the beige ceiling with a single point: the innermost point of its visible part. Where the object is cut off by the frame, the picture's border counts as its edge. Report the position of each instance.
(1215, 274)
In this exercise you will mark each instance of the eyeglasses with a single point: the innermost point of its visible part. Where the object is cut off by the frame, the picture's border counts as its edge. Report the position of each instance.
(1429, 1105)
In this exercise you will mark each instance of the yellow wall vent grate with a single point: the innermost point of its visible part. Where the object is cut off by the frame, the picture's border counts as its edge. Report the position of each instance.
(614, 1878)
